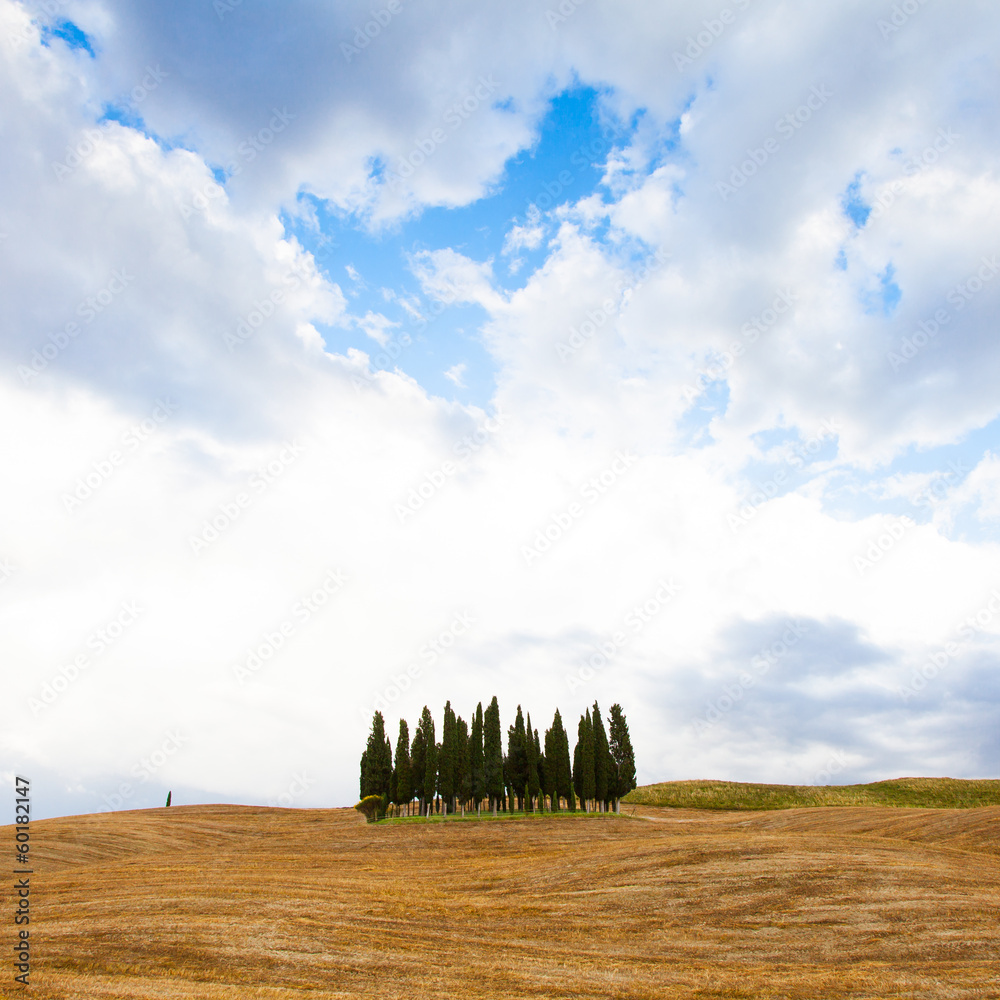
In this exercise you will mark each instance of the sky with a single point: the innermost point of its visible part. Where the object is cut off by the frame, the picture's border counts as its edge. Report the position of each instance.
(360, 357)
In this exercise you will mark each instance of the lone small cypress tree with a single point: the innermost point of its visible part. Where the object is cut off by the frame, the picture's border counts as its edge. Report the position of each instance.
(168, 798)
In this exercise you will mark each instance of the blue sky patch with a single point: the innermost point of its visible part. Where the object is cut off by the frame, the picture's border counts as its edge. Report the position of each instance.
(71, 34)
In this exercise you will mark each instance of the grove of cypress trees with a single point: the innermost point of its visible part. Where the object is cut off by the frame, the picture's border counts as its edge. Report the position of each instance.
(493, 754)
(602, 760)
(622, 756)
(477, 773)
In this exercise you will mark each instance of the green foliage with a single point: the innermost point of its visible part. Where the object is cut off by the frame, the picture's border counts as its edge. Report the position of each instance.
(915, 793)
(418, 760)
(583, 768)
(602, 758)
(517, 758)
(493, 753)
(622, 776)
(446, 761)
(477, 771)
(376, 761)
(430, 756)
(169, 794)
(463, 767)
(403, 772)
(532, 786)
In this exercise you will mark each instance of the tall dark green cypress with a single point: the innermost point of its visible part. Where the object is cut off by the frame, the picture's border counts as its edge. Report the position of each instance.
(585, 745)
(517, 754)
(404, 767)
(376, 762)
(622, 756)
(430, 758)
(602, 760)
(418, 761)
(531, 784)
(446, 763)
(549, 778)
(477, 772)
(463, 775)
(493, 754)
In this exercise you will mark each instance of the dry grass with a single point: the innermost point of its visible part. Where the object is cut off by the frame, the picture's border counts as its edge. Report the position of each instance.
(220, 901)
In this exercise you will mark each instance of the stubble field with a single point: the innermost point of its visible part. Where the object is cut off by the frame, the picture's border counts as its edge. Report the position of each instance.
(230, 902)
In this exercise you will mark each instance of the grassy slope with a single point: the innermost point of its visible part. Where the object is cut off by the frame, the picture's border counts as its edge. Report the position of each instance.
(914, 793)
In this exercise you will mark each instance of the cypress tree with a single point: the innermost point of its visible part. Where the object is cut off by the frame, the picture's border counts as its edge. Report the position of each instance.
(531, 785)
(622, 756)
(585, 786)
(541, 765)
(376, 762)
(477, 774)
(517, 753)
(418, 762)
(428, 773)
(493, 754)
(548, 779)
(446, 763)
(404, 768)
(602, 759)
(463, 775)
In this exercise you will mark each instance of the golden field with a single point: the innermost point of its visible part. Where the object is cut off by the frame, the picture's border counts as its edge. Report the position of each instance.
(228, 901)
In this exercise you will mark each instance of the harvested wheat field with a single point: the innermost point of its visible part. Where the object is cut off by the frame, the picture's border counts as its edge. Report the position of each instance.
(226, 901)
